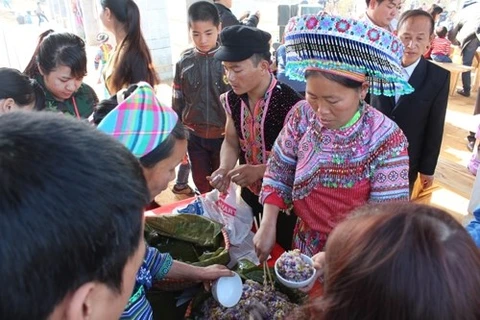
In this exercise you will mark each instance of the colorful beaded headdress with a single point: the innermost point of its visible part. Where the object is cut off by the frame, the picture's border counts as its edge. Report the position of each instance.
(140, 122)
(355, 49)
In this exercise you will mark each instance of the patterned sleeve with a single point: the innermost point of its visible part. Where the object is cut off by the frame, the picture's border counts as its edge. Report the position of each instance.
(158, 263)
(390, 169)
(281, 166)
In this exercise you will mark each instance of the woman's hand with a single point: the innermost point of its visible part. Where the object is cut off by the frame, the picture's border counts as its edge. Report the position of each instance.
(264, 240)
(319, 261)
(319, 265)
(212, 273)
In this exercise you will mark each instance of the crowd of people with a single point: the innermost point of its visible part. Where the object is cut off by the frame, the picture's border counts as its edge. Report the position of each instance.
(328, 165)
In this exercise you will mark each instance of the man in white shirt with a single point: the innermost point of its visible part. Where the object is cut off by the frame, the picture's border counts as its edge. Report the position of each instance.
(383, 13)
(421, 114)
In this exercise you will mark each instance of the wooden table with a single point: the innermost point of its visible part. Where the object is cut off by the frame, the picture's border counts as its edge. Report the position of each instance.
(455, 71)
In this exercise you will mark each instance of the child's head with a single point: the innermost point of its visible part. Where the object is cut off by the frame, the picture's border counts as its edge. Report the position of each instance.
(417, 260)
(204, 25)
(150, 131)
(17, 90)
(71, 220)
(441, 32)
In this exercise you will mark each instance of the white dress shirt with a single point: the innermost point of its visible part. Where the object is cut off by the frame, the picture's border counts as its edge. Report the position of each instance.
(407, 73)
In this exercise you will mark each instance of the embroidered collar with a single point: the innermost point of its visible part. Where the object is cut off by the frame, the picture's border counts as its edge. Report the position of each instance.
(352, 121)
(271, 86)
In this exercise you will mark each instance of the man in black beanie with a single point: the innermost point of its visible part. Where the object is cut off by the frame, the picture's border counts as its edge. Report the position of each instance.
(256, 109)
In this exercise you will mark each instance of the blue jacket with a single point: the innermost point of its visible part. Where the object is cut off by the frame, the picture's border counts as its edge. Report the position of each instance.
(474, 227)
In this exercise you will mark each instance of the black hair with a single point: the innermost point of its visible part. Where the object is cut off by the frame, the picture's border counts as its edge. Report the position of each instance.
(58, 49)
(368, 2)
(67, 215)
(22, 89)
(103, 108)
(258, 57)
(203, 11)
(441, 32)
(344, 81)
(413, 14)
(163, 150)
(134, 61)
(416, 259)
(435, 10)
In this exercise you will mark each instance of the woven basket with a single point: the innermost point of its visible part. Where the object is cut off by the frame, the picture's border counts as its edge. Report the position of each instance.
(167, 284)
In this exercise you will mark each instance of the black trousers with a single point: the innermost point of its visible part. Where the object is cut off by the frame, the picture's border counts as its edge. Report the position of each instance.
(285, 223)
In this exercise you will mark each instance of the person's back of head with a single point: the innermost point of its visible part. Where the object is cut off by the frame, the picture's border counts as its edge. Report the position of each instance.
(103, 108)
(401, 261)
(71, 219)
(441, 32)
(435, 11)
(135, 63)
(17, 90)
(56, 49)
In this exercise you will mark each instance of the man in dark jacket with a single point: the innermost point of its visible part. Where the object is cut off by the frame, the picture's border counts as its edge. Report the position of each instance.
(228, 18)
(421, 114)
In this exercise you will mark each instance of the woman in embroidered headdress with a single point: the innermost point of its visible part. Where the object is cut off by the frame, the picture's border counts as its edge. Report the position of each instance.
(336, 152)
(155, 136)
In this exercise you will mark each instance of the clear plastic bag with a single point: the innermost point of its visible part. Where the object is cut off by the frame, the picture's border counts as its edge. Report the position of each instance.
(230, 210)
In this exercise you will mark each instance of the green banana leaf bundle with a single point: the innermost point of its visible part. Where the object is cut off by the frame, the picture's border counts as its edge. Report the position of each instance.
(188, 238)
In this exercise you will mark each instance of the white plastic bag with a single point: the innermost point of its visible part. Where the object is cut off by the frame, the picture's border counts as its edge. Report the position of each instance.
(230, 210)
